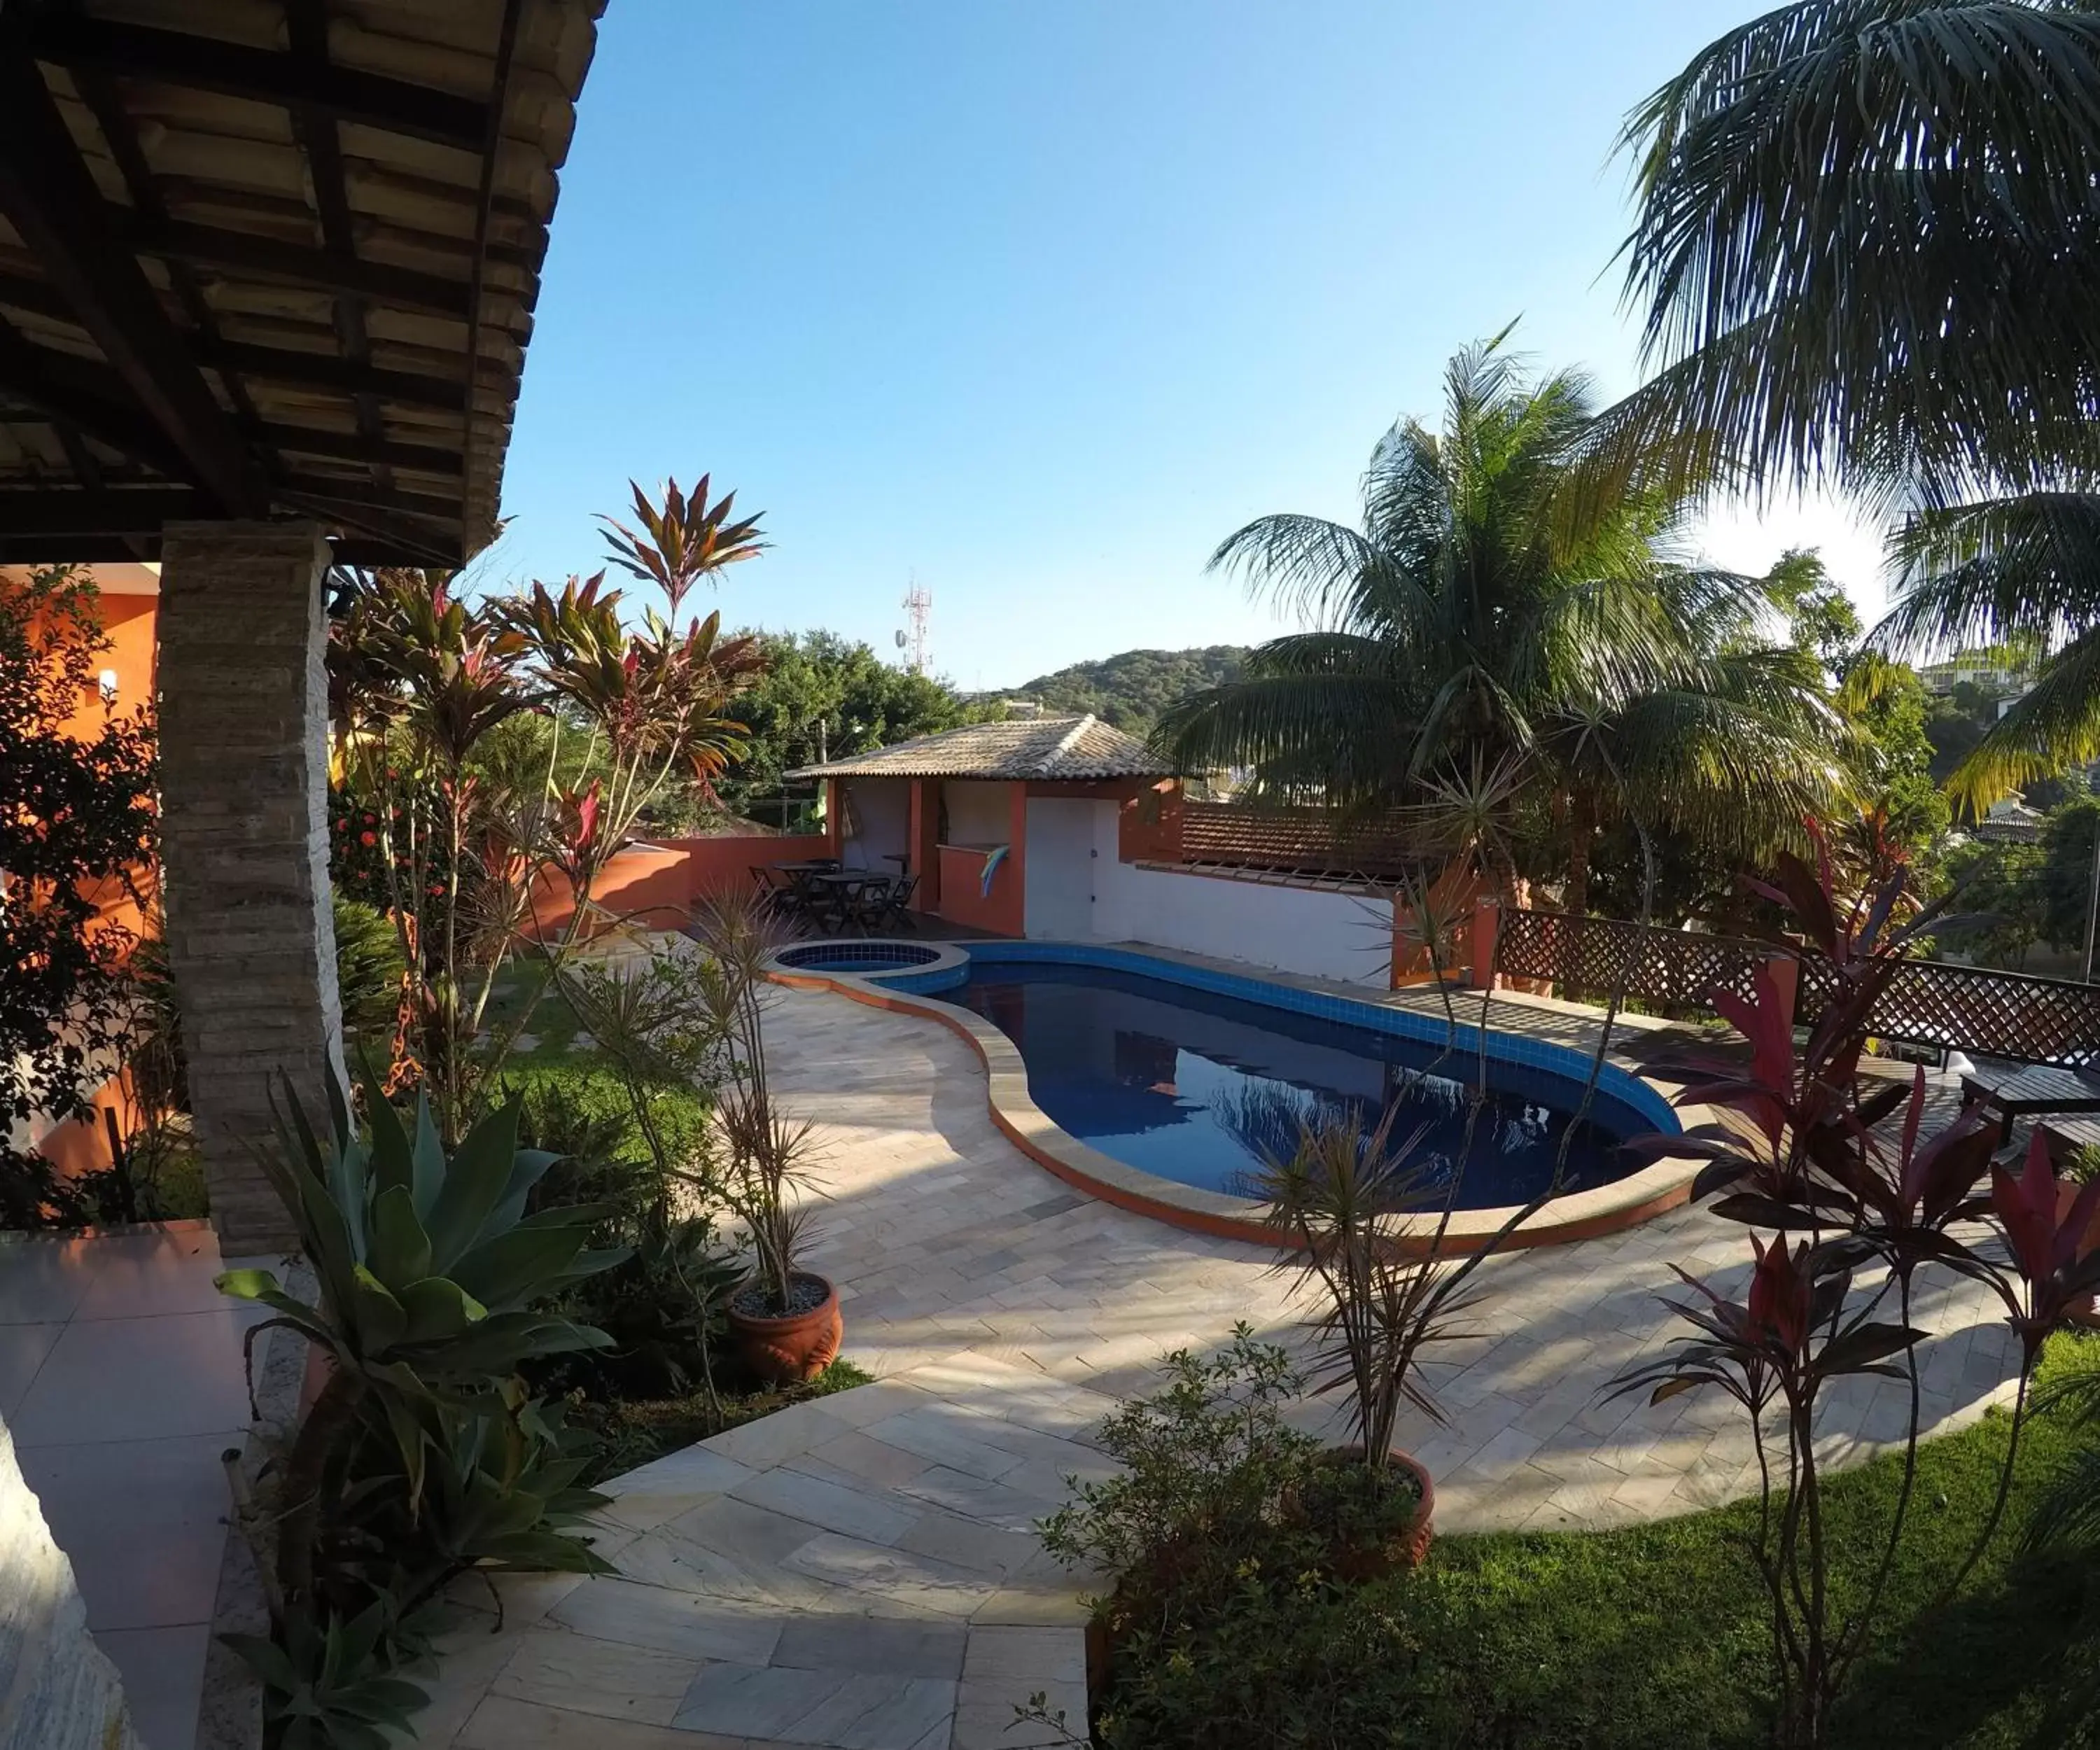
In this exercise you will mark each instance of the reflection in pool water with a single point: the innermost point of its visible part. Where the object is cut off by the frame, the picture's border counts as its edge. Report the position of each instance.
(1198, 1087)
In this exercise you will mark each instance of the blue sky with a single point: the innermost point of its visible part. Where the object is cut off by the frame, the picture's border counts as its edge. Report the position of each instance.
(1041, 301)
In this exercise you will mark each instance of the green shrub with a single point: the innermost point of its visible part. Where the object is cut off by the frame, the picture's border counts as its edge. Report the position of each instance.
(367, 970)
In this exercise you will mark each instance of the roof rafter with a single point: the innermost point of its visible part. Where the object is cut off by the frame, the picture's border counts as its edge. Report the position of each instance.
(315, 129)
(323, 370)
(264, 76)
(299, 264)
(41, 511)
(83, 395)
(356, 447)
(53, 203)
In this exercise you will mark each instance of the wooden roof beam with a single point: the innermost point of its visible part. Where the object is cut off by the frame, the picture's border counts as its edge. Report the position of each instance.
(323, 370)
(99, 91)
(359, 446)
(52, 202)
(44, 511)
(77, 392)
(265, 76)
(241, 252)
(349, 494)
(316, 130)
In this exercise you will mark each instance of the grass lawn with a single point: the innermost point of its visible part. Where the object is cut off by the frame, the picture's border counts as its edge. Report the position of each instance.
(1656, 1636)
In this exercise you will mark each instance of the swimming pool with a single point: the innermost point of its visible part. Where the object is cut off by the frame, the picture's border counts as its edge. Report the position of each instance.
(866, 959)
(1195, 1084)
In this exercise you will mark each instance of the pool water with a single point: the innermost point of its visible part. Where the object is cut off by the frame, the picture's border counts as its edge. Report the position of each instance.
(864, 957)
(1197, 1087)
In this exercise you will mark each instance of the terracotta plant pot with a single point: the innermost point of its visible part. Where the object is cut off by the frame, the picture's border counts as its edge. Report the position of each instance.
(799, 1346)
(1360, 1563)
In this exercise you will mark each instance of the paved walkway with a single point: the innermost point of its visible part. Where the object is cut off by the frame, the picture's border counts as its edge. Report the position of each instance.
(858, 1571)
(121, 1381)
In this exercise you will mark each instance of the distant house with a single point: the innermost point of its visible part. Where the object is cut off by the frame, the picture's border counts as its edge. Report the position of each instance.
(1982, 668)
(2011, 822)
(1000, 825)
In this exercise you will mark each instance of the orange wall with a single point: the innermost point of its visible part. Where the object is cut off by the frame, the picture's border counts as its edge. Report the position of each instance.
(1148, 825)
(963, 898)
(924, 845)
(130, 621)
(1452, 900)
(75, 1148)
(661, 880)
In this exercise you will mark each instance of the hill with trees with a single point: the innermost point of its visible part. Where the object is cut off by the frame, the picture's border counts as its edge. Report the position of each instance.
(1131, 690)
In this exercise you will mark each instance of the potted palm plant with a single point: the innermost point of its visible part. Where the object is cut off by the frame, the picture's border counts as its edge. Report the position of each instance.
(1376, 1306)
(785, 1320)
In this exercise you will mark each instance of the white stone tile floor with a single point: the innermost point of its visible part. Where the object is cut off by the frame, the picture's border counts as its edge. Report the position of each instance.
(120, 1380)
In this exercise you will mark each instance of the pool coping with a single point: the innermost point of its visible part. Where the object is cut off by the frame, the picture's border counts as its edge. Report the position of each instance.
(1663, 1184)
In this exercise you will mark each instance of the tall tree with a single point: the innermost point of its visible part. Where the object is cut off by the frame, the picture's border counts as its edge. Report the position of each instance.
(822, 695)
(76, 821)
(1516, 598)
(1870, 256)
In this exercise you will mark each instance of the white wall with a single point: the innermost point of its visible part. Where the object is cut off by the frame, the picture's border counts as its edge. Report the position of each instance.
(1059, 900)
(880, 811)
(1319, 935)
(977, 813)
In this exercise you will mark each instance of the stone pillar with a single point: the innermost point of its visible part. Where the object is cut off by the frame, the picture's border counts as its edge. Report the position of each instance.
(243, 845)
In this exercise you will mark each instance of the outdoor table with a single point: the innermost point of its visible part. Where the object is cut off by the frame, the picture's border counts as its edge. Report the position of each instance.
(842, 888)
(2033, 1092)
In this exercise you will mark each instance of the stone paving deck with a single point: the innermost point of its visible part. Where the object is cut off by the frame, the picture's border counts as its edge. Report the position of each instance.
(858, 1572)
(120, 1380)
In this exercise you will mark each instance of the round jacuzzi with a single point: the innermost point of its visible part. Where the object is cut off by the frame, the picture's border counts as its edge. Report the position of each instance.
(863, 958)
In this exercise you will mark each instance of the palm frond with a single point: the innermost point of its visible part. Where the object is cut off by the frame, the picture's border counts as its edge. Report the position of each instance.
(1838, 272)
(2054, 724)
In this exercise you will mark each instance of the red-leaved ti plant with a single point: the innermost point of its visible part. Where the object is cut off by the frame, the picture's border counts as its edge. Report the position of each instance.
(1837, 1167)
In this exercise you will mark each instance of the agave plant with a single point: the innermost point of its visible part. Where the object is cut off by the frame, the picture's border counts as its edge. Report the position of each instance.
(427, 1270)
(499, 1494)
(333, 1685)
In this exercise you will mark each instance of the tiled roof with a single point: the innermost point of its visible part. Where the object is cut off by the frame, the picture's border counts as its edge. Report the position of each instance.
(1023, 748)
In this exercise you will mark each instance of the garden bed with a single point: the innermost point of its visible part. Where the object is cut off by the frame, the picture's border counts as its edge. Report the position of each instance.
(1652, 1635)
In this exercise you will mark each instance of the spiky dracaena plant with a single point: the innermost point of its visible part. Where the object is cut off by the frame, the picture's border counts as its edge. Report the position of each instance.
(1336, 1204)
(770, 1154)
(683, 541)
(1858, 1202)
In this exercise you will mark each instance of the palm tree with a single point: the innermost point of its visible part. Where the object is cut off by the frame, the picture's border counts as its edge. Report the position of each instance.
(1870, 256)
(1515, 599)
(1867, 245)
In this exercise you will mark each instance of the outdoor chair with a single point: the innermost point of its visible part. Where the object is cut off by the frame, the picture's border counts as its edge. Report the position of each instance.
(771, 894)
(864, 903)
(895, 912)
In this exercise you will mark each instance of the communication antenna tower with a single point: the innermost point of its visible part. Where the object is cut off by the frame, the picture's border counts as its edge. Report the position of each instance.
(917, 619)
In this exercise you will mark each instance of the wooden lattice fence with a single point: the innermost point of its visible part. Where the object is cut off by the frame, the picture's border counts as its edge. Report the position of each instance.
(1930, 1003)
